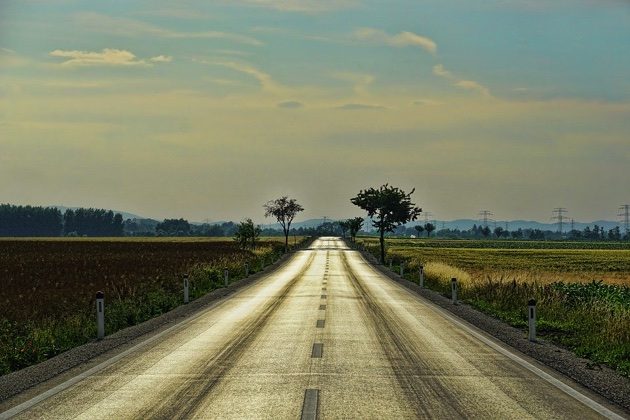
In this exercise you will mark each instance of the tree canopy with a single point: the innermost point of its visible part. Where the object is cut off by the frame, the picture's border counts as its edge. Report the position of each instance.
(388, 207)
(284, 209)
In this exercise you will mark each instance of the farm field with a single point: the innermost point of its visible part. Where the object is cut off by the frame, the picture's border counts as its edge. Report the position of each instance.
(47, 287)
(583, 293)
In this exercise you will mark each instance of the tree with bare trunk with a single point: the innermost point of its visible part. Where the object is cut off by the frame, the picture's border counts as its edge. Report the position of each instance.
(389, 206)
(284, 210)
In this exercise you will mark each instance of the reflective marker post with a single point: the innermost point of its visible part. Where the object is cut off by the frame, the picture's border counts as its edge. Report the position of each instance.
(100, 315)
(391, 264)
(402, 269)
(454, 291)
(246, 269)
(186, 299)
(421, 276)
(532, 319)
(226, 275)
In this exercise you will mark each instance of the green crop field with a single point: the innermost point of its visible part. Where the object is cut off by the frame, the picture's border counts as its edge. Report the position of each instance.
(582, 289)
(47, 287)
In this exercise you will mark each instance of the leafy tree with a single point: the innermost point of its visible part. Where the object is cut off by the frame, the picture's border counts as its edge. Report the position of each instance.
(389, 207)
(499, 231)
(485, 231)
(419, 229)
(247, 234)
(284, 209)
(429, 227)
(344, 225)
(173, 227)
(355, 224)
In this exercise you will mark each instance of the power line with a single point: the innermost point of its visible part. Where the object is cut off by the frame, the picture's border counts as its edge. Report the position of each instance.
(625, 213)
(559, 215)
(485, 216)
(427, 214)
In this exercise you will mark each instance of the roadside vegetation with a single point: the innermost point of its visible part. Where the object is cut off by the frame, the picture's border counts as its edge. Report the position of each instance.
(582, 293)
(47, 287)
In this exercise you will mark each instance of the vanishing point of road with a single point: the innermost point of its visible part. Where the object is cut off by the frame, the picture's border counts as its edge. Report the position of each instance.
(325, 335)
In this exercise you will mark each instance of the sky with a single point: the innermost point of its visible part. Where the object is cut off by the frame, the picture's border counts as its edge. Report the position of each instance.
(208, 109)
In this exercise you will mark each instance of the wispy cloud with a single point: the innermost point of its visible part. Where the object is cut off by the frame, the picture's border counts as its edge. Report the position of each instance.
(360, 81)
(161, 59)
(303, 6)
(440, 71)
(106, 57)
(400, 40)
(131, 27)
(266, 81)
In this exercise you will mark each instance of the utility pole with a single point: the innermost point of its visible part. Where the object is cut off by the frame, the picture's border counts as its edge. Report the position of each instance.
(427, 214)
(559, 215)
(572, 224)
(485, 216)
(625, 214)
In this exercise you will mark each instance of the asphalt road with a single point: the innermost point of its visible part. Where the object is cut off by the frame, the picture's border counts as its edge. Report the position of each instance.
(324, 336)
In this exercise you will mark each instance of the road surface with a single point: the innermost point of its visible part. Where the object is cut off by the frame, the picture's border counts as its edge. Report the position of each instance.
(324, 336)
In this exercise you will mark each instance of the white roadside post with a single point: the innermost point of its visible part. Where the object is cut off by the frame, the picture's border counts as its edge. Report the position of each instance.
(532, 319)
(246, 269)
(186, 298)
(454, 291)
(226, 275)
(421, 276)
(100, 315)
(391, 264)
(262, 263)
(402, 269)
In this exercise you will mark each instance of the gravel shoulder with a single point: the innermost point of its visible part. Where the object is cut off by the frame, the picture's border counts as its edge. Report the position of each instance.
(607, 384)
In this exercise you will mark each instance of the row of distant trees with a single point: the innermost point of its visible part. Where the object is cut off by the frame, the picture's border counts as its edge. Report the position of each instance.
(49, 221)
(595, 233)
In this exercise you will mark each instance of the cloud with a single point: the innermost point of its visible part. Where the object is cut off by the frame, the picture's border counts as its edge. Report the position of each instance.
(131, 27)
(291, 105)
(472, 85)
(266, 81)
(161, 59)
(354, 106)
(400, 40)
(361, 81)
(107, 57)
(440, 71)
(303, 6)
(420, 102)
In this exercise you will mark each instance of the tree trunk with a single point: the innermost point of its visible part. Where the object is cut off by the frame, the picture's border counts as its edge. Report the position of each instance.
(382, 246)
(286, 242)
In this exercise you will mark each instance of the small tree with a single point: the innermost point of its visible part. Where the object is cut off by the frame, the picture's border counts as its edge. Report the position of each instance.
(485, 231)
(284, 210)
(247, 234)
(429, 227)
(419, 229)
(498, 231)
(390, 206)
(355, 225)
(344, 225)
